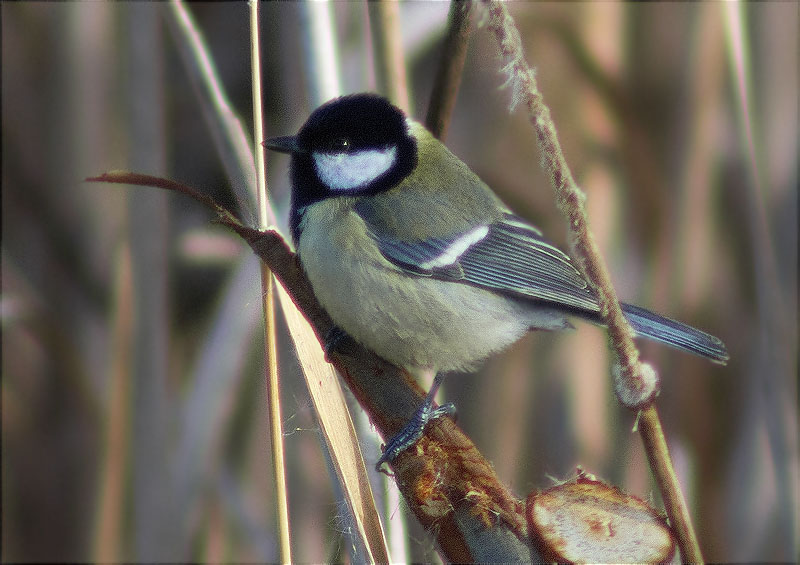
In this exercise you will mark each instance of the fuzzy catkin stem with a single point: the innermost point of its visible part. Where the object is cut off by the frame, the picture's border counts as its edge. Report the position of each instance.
(641, 387)
(636, 384)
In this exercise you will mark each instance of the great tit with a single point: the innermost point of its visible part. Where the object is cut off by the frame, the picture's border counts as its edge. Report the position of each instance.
(417, 259)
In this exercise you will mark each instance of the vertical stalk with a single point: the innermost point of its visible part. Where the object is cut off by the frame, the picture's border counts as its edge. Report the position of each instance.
(451, 65)
(108, 533)
(384, 18)
(273, 385)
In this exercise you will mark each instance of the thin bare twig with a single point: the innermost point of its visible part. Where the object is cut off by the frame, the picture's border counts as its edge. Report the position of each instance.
(227, 130)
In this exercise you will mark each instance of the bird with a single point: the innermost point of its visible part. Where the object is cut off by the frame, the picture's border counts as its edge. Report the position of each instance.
(416, 258)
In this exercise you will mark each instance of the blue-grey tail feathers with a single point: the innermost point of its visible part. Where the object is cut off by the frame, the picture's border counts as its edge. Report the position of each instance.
(652, 326)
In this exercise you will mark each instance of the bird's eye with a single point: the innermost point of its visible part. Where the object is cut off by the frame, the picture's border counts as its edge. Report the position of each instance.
(338, 145)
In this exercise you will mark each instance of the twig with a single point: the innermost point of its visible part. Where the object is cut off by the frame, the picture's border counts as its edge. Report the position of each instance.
(453, 491)
(451, 65)
(635, 383)
(228, 132)
(447, 484)
(658, 456)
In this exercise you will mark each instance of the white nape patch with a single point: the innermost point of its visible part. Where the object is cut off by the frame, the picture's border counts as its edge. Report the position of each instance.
(457, 248)
(346, 171)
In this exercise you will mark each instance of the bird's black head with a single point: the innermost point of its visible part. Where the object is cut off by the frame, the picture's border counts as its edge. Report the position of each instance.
(356, 144)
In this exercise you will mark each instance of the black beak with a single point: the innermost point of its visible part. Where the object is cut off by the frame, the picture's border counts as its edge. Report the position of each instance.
(285, 144)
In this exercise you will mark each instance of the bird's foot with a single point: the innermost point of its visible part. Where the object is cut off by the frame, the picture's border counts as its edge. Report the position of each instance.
(414, 429)
(333, 339)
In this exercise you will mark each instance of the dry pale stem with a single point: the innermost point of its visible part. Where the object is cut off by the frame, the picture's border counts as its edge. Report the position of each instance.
(268, 304)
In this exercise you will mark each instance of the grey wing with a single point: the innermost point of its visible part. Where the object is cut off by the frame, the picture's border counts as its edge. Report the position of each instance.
(511, 257)
(508, 256)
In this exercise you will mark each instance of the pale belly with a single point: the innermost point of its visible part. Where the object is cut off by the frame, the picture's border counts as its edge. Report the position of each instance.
(411, 321)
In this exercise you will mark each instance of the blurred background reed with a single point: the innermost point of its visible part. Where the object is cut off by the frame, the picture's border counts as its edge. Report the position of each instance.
(133, 425)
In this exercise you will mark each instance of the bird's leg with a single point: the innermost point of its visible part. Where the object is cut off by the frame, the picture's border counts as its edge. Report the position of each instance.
(333, 339)
(413, 430)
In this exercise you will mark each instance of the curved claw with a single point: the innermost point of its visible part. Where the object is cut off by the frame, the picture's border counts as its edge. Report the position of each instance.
(333, 340)
(414, 429)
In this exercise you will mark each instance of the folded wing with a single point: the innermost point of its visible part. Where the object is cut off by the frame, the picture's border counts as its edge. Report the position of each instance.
(511, 257)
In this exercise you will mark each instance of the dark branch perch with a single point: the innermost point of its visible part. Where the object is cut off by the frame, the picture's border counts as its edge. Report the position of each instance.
(451, 489)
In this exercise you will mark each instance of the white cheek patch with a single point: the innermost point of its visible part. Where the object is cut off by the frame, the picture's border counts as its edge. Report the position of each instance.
(346, 171)
(457, 248)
